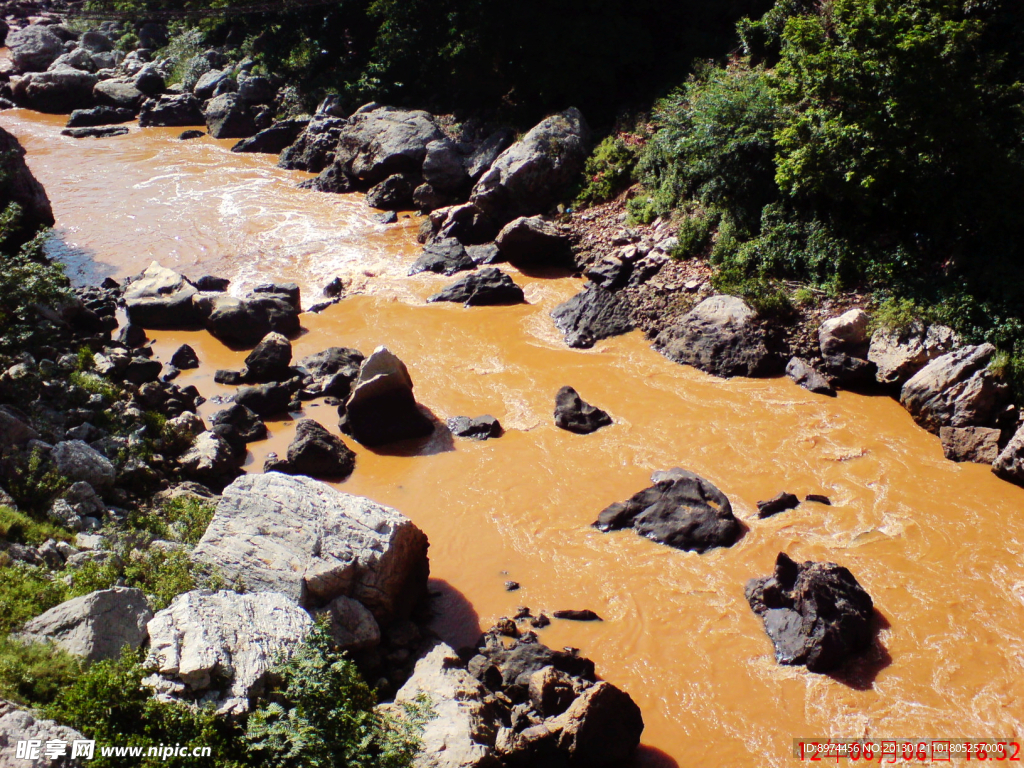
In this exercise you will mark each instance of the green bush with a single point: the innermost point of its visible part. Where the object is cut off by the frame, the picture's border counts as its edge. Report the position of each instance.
(34, 673)
(25, 592)
(609, 170)
(182, 519)
(108, 703)
(17, 527)
(327, 716)
(32, 480)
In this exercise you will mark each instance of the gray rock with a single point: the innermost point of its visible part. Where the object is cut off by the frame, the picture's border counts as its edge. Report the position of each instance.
(256, 89)
(300, 537)
(393, 193)
(382, 408)
(17, 725)
(528, 177)
(180, 110)
(244, 322)
(205, 637)
(15, 430)
(228, 117)
(1009, 465)
(483, 157)
(609, 272)
(270, 361)
(533, 240)
(463, 732)
(95, 41)
(591, 315)
(898, 355)
(681, 509)
(976, 444)
(443, 167)
(956, 390)
(265, 399)
(479, 428)
(381, 141)
(34, 48)
(115, 93)
(78, 461)
(351, 623)
(274, 139)
(76, 59)
(332, 372)
(149, 80)
(21, 187)
(445, 257)
(209, 460)
(57, 92)
(314, 150)
(807, 376)
(185, 358)
(573, 414)
(846, 333)
(719, 336)
(103, 132)
(208, 83)
(816, 614)
(489, 286)
(315, 452)
(161, 298)
(95, 626)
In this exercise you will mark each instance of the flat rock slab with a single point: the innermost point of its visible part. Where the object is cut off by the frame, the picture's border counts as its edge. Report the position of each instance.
(681, 509)
(975, 444)
(302, 538)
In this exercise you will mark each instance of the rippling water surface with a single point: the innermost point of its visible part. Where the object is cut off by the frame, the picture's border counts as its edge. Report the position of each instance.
(938, 545)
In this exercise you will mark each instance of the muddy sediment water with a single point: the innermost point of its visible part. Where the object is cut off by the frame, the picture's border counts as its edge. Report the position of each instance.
(938, 545)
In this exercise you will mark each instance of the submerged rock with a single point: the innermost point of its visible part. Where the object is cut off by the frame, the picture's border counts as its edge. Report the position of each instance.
(479, 428)
(681, 509)
(719, 336)
(445, 257)
(104, 132)
(816, 614)
(489, 286)
(573, 414)
(591, 315)
(777, 504)
(88, 118)
(382, 408)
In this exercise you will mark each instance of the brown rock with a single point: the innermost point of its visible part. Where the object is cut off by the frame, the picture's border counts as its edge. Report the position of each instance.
(977, 444)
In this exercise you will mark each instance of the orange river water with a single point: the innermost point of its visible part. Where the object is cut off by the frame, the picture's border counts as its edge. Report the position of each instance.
(938, 545)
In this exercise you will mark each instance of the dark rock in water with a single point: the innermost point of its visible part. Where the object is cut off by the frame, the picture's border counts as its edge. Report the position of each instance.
(265, 399)
(21, 187)
(290, 290)
(445, 257)
(180, 110)
(426, 198)
(610, 272)
(132, 335)
(574, 615)
(189, 136)
(777, 504)
(388, 217)
(212, 284)
(502, 666)
(850, 371)
(316, 453)
(392, 194)
(483, 255)
(332, 179)
(818, 499)
(816, 614)
(681, 509)
(531, 175)
(466, 223)
(976, 444)
(320, 306)
(378, 141)
(185, 358)
(719, 336)
(57, 92)
(275, 139)
(591, 315)
(332, 372)
(487, 287)
(314, 150)
(229, 377)
(110, 283)
(243, 421)
(244, 322)
(480, 428)
(539, 622)
(382, 408)
(805, 375)
(512, 586)
(575, 415)
(104, 132)
(335, 288)
(269, 361)
(161, 298)
(228, 117)
(88, 118)
(113, 93)
(534, 241)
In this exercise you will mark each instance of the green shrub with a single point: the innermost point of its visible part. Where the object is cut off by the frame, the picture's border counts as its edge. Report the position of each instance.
(108, 703)
(25, 592)
(32, 480)
(34, 673)
(327, 717)
(17, 527)
(896, 314)
(26, 280)
(610, 169)
(182, 519)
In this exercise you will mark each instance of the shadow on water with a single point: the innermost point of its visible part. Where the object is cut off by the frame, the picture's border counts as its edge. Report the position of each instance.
(453, 617)
(651, 757)
(438, 441)
(81, 265)
(860, 673)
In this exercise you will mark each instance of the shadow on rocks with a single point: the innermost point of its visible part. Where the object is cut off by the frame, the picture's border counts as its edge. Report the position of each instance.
(651, 757)
(860, 672)
(453, 617)
(438, 441)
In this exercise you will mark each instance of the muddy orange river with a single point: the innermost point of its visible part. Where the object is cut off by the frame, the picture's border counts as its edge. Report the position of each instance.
(938, 545)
